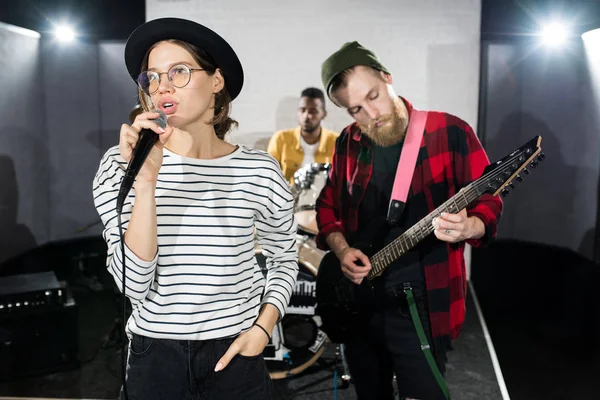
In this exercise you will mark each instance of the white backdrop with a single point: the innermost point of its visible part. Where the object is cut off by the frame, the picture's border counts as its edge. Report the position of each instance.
(430, 46)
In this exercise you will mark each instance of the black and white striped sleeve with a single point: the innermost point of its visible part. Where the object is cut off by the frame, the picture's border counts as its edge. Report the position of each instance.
(276, 233)
(139, 273)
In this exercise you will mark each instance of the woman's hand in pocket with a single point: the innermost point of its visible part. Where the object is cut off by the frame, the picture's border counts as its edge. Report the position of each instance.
(248, 344)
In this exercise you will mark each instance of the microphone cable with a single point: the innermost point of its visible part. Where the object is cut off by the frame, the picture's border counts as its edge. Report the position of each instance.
(123, 312)
(143, 147)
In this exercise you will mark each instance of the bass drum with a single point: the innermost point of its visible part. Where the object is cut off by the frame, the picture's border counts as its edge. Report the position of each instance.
(297, 341)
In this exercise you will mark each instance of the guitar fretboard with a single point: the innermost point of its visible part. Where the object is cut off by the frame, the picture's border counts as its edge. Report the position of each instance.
(492, 182)
(419, 231)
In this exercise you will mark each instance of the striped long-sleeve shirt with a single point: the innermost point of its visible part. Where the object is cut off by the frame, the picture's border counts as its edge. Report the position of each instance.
(204, 281)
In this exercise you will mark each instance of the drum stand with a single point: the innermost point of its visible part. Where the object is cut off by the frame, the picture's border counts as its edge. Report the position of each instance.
(115, 336)
(345, 373)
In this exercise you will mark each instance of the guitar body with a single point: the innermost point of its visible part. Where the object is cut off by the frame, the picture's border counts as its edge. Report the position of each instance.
(343, 306)
(340, 303)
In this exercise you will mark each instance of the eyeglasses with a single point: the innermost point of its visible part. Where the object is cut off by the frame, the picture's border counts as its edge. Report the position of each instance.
(179, 76)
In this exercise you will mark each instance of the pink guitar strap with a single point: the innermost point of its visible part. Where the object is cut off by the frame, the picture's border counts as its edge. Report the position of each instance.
(406, 165)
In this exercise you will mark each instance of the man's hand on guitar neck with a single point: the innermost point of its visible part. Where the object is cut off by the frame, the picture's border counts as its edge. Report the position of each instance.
(454, 228)
(355, 264)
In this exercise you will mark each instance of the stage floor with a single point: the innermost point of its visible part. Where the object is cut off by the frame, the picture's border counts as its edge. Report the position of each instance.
(471, 373)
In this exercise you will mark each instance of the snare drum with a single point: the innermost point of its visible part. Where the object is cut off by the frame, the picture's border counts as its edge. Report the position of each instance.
(297, 341)
(308, 183)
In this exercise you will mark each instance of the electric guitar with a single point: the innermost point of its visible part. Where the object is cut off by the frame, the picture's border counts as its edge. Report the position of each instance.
(343, 306)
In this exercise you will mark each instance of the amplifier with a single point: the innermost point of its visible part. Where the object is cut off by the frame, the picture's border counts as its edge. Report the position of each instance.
(24, 292)
(39, 339)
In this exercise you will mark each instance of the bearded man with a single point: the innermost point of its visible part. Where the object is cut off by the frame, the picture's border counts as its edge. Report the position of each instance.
(358, 194)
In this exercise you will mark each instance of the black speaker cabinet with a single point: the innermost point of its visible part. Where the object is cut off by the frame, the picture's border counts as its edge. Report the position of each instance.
(40, 340)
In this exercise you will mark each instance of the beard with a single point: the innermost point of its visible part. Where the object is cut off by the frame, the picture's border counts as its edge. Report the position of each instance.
(393, 128)
(308, 128)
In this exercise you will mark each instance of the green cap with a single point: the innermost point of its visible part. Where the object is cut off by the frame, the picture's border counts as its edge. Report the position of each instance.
(348, 56)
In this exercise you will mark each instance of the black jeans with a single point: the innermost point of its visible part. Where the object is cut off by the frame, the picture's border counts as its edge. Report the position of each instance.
(184, 370)
(389, 345)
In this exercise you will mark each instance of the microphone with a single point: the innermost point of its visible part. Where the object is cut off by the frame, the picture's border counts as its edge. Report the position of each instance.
(146, 141)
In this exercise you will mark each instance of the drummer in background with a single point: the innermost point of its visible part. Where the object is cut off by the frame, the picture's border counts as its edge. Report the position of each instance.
(307, 143)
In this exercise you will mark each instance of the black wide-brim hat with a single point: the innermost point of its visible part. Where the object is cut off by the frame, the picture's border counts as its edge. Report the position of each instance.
(151, 32)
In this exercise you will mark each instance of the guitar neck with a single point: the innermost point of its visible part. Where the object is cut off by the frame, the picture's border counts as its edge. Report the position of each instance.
(419, 231)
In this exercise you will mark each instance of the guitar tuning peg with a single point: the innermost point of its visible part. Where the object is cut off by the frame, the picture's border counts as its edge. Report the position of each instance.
(519, 178)
(533, 164)
(526, 171)
(541, 157)
(512, 186)
(505, 192)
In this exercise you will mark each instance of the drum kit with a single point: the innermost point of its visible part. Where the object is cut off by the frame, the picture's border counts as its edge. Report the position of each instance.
(297, 341)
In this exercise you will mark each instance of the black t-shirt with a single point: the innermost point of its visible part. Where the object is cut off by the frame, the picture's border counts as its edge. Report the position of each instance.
(375, 205)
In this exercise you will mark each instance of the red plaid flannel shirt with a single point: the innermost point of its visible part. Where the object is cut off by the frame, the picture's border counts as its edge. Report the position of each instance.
(453, 155)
